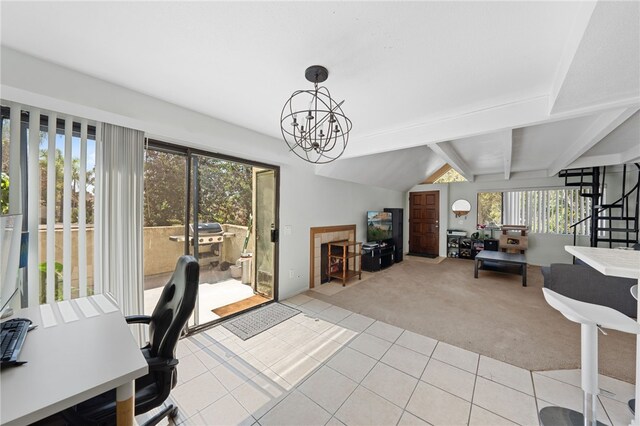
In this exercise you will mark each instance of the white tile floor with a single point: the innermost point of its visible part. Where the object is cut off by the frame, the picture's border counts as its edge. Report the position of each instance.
(328, 366)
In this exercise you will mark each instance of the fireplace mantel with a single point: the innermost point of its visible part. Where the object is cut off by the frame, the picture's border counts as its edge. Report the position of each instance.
(325, 234)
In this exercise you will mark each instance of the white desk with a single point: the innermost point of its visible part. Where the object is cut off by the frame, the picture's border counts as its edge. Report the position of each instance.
(616, 263)
(70, 362)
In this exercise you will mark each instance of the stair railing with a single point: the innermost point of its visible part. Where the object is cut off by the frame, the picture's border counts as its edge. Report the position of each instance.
(623, 199)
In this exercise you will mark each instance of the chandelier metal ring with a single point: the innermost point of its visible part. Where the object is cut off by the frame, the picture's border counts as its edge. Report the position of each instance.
(313, 125)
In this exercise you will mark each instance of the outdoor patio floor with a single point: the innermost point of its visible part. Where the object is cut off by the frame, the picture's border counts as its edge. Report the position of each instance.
(211, 296)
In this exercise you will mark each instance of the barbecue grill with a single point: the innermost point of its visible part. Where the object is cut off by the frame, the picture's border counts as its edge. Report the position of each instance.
(209, 234)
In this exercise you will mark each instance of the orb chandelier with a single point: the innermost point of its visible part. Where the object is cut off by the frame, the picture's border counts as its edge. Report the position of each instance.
(313, 124)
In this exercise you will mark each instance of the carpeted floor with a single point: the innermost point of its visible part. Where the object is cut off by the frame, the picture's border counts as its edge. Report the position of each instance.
(492, 315)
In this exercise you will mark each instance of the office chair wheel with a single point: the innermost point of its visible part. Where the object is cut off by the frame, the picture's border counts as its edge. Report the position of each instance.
(173, 413)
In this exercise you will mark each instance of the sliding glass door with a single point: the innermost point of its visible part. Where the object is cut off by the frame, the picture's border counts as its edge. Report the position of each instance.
(165, 201)
(266, 232)
(227, 211)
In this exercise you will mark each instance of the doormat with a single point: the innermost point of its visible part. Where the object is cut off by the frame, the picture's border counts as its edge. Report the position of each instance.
(426, 260)
(255, 322)
(430, 256)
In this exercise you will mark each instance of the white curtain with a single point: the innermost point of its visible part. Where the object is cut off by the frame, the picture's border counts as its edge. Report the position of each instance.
(119, 216)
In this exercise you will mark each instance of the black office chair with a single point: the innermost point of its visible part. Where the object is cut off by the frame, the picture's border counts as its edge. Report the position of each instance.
(165, 326)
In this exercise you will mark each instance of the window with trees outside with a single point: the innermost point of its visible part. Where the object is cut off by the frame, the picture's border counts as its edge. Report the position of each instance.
(543, 211)
(64, 159)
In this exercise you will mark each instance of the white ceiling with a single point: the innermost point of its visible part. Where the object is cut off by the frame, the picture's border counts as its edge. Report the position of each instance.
(605, 66)
(455, 74)
(534, 146)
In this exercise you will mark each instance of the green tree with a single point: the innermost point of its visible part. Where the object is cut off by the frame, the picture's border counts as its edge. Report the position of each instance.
(489, 208)
(164, 191)
(75, 186)
(4, 193)
(4, 170)
(225, 190)
(450, 176)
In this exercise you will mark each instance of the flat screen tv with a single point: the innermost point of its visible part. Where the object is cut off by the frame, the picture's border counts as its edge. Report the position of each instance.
(379, 226)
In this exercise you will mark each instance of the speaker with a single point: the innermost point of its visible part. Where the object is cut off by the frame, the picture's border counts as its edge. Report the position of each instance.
(397, 233)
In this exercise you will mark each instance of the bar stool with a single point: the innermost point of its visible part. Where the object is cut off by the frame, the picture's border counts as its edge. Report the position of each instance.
(590, 317)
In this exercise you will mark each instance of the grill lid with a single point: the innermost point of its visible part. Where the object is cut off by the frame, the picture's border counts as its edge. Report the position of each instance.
(208, 228)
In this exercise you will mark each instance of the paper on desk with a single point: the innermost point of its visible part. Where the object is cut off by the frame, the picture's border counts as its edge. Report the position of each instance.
(88, 310)
(48, 318)
(104, 303)
(67, 312)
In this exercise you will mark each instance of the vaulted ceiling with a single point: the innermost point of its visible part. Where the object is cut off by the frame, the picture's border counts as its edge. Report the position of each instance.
(498, 90)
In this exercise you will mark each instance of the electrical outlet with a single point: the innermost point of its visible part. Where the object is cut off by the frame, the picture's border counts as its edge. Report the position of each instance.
(291, 273)
(287, 230)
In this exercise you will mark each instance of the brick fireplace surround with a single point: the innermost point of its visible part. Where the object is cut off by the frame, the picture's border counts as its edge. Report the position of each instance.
(321, 235)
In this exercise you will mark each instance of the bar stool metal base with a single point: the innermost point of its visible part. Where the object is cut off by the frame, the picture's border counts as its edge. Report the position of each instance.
(560, 416)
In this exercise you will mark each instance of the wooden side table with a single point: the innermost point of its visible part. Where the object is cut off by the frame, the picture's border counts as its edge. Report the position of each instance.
(347, 264)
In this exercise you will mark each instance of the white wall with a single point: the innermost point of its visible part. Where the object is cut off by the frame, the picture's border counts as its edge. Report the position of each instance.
(544, 249)
(613, 183)
(306, 200)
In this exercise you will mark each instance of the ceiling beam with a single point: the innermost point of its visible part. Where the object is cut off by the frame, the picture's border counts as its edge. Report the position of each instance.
(514, 115)
(472, 123)
(507, 148)
(498, 177)
(445, 151)
(582, 19)
(604, 124)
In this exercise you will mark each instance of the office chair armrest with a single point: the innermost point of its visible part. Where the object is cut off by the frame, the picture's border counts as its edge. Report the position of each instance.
(138, 319)
(159, 364)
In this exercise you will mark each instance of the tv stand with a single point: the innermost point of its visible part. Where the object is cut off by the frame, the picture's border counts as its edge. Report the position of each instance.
(378, 258)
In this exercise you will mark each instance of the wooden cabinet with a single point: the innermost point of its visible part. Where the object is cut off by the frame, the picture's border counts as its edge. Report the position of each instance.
(467, 248)
(453, 246)
(378, 258)
(459, 247)
(345, 261)
(397, 231)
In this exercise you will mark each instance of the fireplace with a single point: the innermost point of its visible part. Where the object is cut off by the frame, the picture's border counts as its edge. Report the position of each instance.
(320, 236)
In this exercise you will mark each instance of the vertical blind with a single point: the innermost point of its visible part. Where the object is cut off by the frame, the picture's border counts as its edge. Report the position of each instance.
(58, 213)
(61, 177)
(548, 210)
